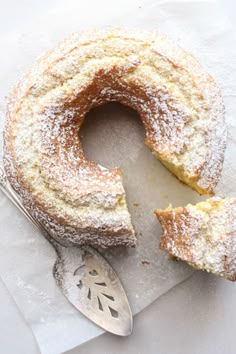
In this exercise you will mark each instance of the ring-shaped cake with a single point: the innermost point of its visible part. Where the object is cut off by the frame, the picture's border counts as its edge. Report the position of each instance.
(178, 102)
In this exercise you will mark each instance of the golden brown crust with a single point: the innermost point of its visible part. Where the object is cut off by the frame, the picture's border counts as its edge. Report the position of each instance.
(204, 235)
(179, 104)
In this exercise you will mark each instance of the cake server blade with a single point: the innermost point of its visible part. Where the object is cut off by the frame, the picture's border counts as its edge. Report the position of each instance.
(85, 277)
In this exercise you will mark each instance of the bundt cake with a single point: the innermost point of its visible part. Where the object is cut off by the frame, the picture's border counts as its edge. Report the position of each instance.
(178, 102)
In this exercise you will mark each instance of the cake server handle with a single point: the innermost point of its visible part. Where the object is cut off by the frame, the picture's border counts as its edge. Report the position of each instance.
(84, 277)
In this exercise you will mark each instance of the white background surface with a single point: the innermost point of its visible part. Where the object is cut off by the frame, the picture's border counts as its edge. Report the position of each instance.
(198, 316)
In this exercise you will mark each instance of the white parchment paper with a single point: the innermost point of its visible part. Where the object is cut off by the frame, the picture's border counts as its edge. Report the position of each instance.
(113, 136)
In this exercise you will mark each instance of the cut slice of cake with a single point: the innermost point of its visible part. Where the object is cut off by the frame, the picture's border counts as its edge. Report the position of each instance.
(204, 235)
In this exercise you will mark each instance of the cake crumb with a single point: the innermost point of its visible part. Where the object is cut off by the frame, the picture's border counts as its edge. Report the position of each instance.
(145, 262)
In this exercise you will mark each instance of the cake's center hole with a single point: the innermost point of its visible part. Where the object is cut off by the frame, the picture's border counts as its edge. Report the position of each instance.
(113, 135)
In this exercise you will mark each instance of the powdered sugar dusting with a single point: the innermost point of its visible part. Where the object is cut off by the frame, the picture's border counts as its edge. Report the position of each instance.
(203, 235)
(179, 104)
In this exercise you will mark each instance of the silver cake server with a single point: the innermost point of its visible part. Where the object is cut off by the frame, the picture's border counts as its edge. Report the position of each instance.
(84, 277)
